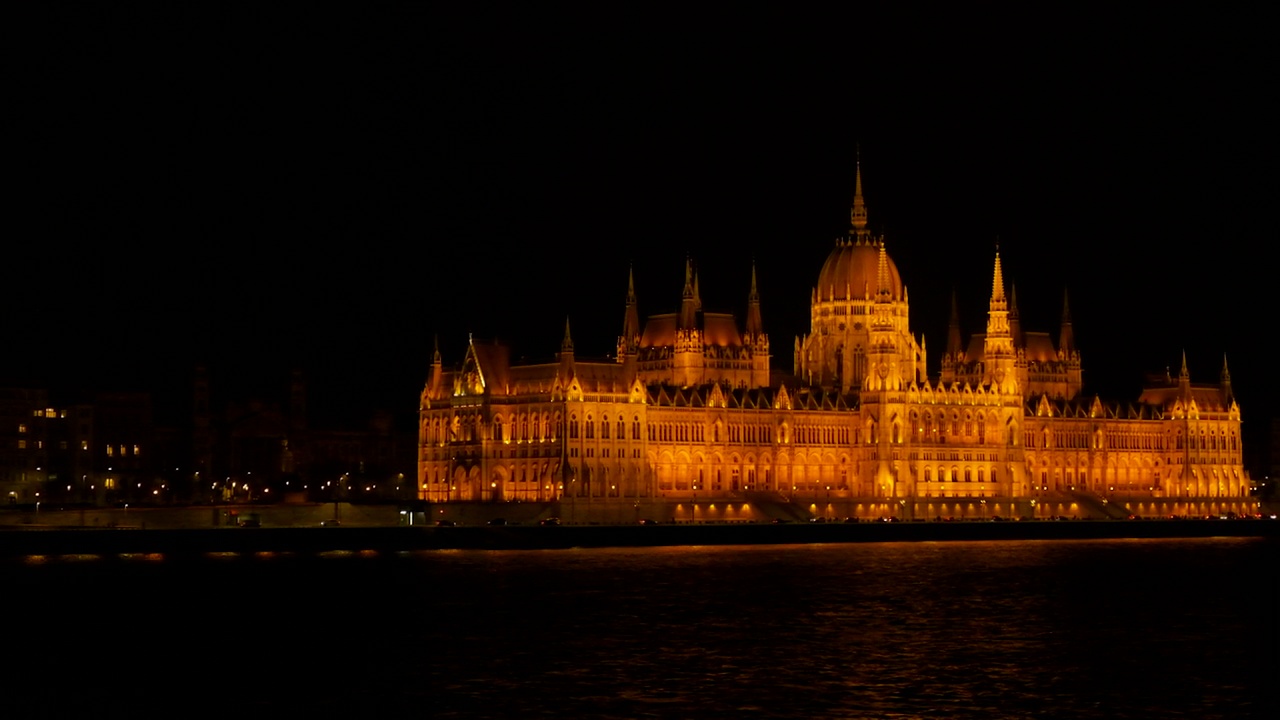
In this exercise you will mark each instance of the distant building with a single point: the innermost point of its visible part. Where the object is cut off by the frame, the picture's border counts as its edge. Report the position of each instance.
(691, 420)
(110, 449)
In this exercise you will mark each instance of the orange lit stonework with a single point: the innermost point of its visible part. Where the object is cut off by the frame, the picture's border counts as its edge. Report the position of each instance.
(689, 422)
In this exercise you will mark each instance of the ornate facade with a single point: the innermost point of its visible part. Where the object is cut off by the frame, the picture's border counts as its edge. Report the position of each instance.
(689, 420)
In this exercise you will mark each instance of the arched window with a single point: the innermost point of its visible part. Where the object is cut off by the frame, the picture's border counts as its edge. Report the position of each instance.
(635, 428)
(604, 427)
(591, 428)
(573, 427)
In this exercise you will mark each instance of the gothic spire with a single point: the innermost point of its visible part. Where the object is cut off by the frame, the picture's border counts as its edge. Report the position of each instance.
(631, 319)
(858, 215)
(882, 273)
(688, 298)
(1225, 382)
(566, 345)
(755, 325)
(997, 286)
(1066, 338)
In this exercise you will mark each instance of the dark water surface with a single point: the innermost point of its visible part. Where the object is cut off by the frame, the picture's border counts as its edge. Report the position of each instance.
(1026, 629)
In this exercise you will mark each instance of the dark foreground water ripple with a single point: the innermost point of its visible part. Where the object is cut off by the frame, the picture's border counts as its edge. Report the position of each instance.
(1029, 629)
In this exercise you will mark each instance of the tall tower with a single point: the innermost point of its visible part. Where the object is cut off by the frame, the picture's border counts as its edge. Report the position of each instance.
(859, 294)
(629, 340)
(755, 339)
(688, 356)
(999, 358)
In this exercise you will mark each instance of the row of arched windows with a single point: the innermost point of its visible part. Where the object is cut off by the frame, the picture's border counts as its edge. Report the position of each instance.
(588, 428)
(956, 474)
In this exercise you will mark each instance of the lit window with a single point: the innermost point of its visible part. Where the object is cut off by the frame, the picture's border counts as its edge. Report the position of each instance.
(51, 413)
(22, 444)
(84, 444)
(110, 451)
(22, 427)
(135, 449)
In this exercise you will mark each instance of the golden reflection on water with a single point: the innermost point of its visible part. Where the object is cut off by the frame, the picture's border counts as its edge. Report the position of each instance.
(222, 555)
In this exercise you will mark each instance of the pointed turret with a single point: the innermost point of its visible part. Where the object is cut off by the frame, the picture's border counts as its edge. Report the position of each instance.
(688, 299)
(1224, 381)
(435, 380)
(997, 351)
(566, 354)
(858, 214)
(1066, 337)
(755, 326)
(998, 300)
(884, 289)
(629, 340)
(1184, 377)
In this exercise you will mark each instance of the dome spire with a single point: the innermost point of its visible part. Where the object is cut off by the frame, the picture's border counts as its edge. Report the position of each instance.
(858, 215)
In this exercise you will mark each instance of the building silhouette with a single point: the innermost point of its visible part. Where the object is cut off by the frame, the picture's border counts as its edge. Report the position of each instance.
(690, 420)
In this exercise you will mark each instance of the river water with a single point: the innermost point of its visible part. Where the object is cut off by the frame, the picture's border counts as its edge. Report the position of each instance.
(1020, 629)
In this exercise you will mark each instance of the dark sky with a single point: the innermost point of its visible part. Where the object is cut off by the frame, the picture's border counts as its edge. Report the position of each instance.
(329, 188)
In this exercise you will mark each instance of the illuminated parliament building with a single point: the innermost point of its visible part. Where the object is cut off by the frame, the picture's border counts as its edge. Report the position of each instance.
(690, 420)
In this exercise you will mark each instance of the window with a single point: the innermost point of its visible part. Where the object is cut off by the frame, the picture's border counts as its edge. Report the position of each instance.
(22, 427)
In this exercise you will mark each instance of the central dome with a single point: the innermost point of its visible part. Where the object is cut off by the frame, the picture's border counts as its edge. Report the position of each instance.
(850, 272)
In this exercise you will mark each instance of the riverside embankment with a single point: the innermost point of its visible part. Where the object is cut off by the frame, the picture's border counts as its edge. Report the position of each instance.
(38, 541)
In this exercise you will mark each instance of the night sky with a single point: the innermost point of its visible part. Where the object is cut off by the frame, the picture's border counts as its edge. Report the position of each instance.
(330, 188)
